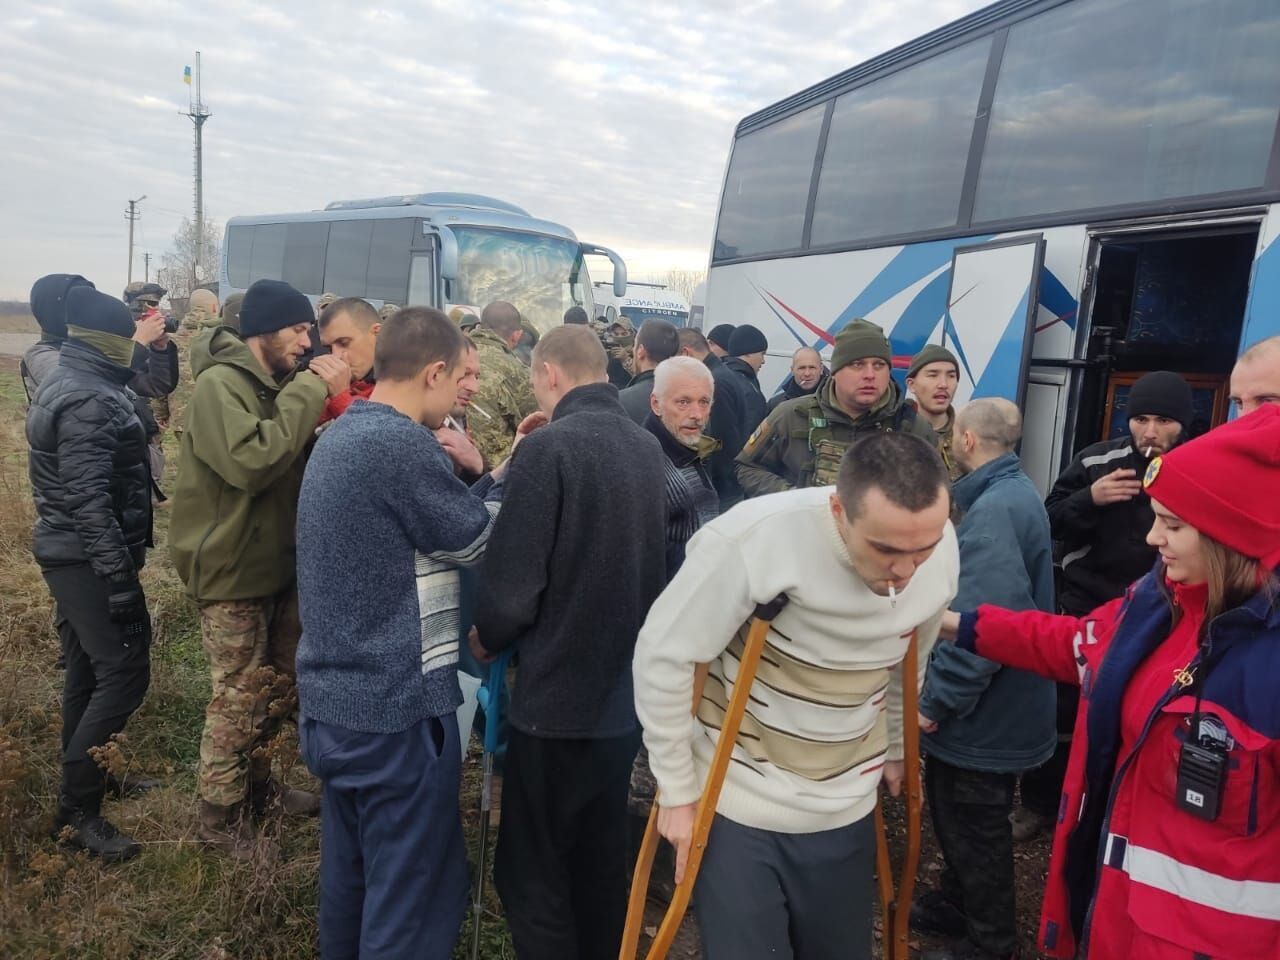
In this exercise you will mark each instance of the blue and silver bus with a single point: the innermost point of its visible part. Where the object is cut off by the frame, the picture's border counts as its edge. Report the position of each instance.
(1067, 193)
(431, 249)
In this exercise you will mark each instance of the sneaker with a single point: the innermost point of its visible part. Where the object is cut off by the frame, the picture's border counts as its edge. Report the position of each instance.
(934, 913)
(96, 834)
(1027, 824)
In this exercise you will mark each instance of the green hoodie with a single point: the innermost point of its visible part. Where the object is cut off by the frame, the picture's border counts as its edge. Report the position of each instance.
(239, 471)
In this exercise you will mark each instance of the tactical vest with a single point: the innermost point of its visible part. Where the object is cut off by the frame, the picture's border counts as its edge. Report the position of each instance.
(827, 441)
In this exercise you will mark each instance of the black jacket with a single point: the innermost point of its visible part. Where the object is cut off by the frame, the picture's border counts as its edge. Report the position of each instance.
(88, 467)
(634, 397)
(753, 412)
(790, 390)
(725, 424)
(576, 558)
(1102, 550)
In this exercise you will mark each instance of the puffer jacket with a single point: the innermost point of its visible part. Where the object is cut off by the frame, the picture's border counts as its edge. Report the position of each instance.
(88, 467)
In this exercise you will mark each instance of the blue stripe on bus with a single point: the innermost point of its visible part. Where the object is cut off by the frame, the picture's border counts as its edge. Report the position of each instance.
(1262, 313)
(1000, 379)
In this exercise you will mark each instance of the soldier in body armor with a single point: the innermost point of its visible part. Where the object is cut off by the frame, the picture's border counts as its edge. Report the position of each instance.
(801, 442)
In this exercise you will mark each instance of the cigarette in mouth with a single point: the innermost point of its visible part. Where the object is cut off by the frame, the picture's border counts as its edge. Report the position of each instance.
(893, 596)
(1147, 453)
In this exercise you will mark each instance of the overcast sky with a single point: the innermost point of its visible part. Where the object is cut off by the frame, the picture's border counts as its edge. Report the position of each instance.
(613, 118)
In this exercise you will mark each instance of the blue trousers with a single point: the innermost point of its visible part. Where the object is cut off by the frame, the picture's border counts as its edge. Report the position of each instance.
(393, 867)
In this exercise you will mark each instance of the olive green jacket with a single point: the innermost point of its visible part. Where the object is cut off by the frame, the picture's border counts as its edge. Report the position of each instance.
(801, 442)
(239, 471)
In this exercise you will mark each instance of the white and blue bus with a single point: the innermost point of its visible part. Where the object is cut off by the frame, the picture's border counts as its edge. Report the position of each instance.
(1067, 193)
(432, 249)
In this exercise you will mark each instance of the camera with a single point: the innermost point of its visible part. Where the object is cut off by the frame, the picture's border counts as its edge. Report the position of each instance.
(170, 324)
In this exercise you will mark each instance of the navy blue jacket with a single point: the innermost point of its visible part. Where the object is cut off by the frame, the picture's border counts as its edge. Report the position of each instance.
(992, 718)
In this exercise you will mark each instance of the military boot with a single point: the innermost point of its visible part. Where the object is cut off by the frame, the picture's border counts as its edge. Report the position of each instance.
(268, 795)
(94, 833)
(227, 830)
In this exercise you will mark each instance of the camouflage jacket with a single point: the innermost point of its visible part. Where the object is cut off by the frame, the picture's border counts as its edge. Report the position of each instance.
(944, 436)
(504, 399)
(801, 442)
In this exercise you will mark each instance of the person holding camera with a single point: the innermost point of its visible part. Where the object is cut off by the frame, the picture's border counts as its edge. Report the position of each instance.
(1168, 838)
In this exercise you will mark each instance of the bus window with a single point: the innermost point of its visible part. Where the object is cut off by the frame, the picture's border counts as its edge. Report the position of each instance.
(239, 252)
(267, 260)
(389, 260)
(1108, 102)
(304, 256)
(422, 282)
(767, 189)
(543, 276)
(347, 265)
(894, 161)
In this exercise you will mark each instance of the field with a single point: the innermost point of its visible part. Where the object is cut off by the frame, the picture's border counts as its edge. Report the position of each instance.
(175, 901)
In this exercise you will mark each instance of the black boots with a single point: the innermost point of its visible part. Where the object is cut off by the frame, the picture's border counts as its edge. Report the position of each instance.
(94, 833)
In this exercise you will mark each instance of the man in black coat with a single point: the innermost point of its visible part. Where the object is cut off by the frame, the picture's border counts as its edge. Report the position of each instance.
(747, 349)
(727, 413)
(808, 374)
(576, 557)
(89, 477)
(656, 340)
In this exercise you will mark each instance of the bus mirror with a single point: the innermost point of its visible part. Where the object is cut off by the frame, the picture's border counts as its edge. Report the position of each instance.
(619, 266)
(448, 264)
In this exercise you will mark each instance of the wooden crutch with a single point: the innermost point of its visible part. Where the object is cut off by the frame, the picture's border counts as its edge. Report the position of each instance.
(896, 908)
(706, 812)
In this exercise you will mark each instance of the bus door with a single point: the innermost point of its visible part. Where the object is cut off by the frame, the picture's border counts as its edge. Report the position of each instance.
(990, 320)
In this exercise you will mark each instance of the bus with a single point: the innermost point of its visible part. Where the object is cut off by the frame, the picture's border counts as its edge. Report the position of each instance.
(430, 249)
(1066, 193)
(641, 302)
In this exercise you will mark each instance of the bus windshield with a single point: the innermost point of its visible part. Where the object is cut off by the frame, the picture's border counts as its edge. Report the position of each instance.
(543, 276)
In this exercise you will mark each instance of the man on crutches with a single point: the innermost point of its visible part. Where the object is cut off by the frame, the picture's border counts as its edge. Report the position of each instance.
(787, 868)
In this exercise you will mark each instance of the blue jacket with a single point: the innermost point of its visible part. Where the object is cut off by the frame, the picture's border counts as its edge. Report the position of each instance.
(991, 718)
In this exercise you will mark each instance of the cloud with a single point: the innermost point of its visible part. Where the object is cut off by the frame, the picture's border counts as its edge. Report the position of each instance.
(614, 119)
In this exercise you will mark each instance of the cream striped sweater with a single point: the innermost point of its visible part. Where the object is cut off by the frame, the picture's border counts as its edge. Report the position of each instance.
(826, 707)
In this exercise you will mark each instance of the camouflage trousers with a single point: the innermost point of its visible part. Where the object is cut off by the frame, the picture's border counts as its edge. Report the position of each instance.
(251, 646)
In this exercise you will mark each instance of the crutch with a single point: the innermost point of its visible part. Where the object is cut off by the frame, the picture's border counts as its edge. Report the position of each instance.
(896, 908)
(492, 699)
(706, 803)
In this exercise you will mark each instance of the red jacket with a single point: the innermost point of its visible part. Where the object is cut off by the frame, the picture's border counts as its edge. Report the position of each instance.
(336, 406)
(1132, 876)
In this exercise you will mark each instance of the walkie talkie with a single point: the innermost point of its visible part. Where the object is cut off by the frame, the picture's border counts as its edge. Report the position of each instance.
(1202, 762)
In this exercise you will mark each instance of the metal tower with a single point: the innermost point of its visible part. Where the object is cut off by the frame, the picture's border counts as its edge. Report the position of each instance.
(198, 113)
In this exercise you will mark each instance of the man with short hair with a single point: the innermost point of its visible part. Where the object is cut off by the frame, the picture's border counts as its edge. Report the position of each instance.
(787, 870)
(566, 580)
(932, 380)
(1100, 517)
(455, 435)
(656, 341)
(718, 337)
(576, 314)
(747, 348)
(349, 328)
(1255, 379)
(725, 423)
(802, 442)
(808, 374)
(985, 725)
(377, 663)
(505, 397)
(251, 416)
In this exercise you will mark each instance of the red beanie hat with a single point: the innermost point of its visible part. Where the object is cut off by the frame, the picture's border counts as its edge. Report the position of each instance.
(1226, 484)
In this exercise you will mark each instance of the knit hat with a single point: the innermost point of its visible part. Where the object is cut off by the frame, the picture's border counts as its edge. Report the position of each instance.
(858, 340)
(747, 339)
(932, 353)
(93, 310)
(231, 310)
(1161, 394)
(271, 305)
(1224, 484)
(720, 334)
(49, 301)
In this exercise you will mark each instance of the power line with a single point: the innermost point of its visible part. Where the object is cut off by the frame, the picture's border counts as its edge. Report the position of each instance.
(132, 215)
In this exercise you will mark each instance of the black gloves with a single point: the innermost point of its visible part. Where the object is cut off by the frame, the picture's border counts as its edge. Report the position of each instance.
(128, 606)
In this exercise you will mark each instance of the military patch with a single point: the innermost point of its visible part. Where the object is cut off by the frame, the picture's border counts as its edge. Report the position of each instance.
(755, 435)
(1153, 471)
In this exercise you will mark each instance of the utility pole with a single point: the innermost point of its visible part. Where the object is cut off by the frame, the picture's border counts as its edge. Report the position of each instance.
(132, 215)
(146, 262)
(198, 113)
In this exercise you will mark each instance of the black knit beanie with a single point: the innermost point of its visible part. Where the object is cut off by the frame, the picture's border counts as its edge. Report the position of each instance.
(932, 353)
(720, 334)
(857, 340)
(49, 301)
(271, 305)
(93, 310)
(747, 339)
(1161, 394)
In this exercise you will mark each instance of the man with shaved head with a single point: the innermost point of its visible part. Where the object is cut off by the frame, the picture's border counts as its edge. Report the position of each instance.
(1256, 378)
(504, 397)
(349, 328)
(576, 559)
(985, 724)
(808, 373)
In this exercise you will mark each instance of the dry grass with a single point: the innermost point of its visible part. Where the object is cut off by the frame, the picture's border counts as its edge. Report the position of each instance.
(176, 901)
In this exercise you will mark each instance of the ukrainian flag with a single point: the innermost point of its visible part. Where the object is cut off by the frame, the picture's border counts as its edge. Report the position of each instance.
(186, 75)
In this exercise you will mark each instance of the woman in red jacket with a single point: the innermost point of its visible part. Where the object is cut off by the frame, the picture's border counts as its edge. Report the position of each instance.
(1168, 836)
